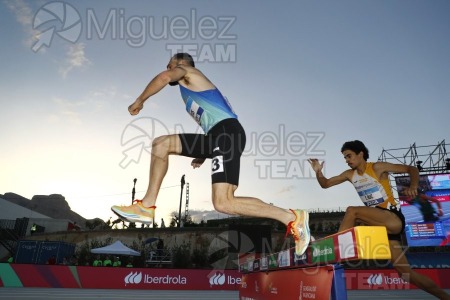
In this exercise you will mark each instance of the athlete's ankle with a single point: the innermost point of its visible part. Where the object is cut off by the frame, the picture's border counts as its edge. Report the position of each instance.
(147, 204)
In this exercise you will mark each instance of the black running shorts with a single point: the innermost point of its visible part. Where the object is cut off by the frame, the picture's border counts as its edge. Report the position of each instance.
(223, 144)
(399, 214)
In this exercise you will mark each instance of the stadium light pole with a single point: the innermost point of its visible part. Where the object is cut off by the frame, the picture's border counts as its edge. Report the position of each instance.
(181, 198)
(133, 192)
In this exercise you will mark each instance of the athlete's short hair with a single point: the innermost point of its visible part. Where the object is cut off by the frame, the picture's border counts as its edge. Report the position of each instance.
(186, 57)
(356, 146)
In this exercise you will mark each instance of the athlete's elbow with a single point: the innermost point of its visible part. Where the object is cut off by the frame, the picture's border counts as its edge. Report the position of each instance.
(164, 78)
(323, 184)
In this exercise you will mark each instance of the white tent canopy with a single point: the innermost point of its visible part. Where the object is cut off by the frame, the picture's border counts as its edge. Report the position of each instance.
(116, 248)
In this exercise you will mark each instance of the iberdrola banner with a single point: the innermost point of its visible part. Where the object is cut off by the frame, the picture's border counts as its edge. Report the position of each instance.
(59, 276)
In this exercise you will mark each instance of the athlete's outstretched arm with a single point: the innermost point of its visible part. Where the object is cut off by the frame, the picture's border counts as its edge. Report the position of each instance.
(323, 181)
(155, 85)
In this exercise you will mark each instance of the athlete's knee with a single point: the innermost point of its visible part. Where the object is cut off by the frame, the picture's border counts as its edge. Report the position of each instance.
(222, 203)
(160, 141)
(161, 145)
(352, 211)
(399, 261)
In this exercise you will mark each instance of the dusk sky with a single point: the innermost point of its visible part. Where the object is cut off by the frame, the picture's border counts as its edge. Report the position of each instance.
(303, 76)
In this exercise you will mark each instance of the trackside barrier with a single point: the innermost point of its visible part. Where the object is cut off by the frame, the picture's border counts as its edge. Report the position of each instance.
(316, 274)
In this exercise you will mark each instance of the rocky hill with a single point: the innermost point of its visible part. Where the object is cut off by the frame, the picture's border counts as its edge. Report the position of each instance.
(54, 206)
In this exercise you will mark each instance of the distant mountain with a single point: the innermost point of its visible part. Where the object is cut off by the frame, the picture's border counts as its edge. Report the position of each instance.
(54, 206)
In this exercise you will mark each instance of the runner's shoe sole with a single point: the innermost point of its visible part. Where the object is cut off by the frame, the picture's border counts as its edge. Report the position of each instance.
(131, 217)
(305, 235)
(299, 228)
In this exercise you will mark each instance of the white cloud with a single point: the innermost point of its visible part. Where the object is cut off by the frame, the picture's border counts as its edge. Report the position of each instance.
(22, 11)
(75, 110)
(101, 98)
(24, 16)
(287, 189)
(76, 58)
(67, 110)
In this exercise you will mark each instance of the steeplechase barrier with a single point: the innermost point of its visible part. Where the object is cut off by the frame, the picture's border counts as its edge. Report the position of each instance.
(317, 273)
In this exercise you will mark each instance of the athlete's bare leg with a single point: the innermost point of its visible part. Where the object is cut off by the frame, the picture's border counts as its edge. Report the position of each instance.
(377, 217)
(403, 268)
(371, 216)
(222, 193)
(162, 147)
(225, 201)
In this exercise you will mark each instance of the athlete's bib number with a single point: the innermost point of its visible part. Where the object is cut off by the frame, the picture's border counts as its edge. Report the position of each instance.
(217, 164)
(194, 110)
(371, 197)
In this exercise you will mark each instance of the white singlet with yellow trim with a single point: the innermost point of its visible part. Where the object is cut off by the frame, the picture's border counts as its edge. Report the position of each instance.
(373, 191)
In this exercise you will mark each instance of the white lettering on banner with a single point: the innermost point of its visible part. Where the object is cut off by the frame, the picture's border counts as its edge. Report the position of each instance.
(48, 247)
(220, 279)
(394, 280)
(309, 296)
(384, 281)
(165, 279)
(377, 279)
(233, 280)
(309, 288)
(28, 247)
(274, 290)
(322, 252)
(309, 292)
